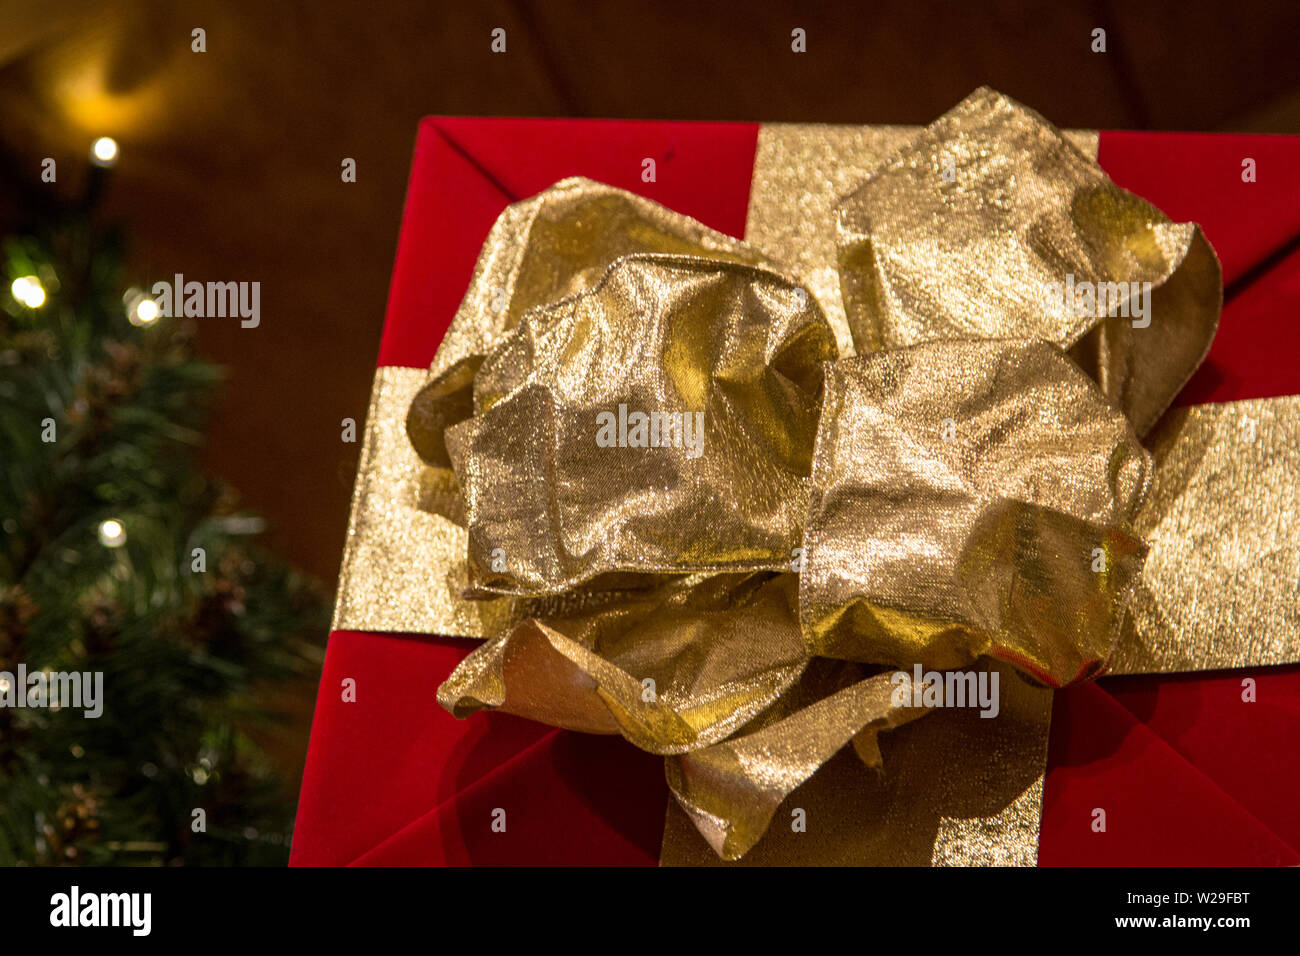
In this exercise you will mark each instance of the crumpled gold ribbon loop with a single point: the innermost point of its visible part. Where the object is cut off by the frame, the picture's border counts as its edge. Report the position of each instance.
(616, 430)
(971, 498)
(971, 230)
(672, 669)
(543, 249)
(731, 790)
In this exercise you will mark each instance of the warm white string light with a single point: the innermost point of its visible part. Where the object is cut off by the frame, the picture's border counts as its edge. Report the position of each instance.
(112, 534)
(29, 291)
(103, 152)
(140, 309)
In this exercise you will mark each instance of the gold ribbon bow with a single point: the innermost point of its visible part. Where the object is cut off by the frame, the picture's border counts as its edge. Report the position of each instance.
(725, 538)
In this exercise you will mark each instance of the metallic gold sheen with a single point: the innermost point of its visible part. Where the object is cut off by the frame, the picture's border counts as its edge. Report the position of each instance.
(672, 668)
(956, 789)
(960, 233)
(801, 172)
(1219, 588)
(541, 250)
(731, 789)
(971, 498)
(404, 567)
(733, 352)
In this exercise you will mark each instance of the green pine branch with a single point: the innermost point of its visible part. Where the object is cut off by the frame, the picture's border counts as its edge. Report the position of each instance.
(183, 652)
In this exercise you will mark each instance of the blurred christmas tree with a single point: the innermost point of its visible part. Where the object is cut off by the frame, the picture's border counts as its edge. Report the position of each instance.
(118, 555)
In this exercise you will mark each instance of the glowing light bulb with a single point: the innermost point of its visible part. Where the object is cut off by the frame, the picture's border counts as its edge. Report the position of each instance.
(144, 312)
(104, 151)
(111, 533)
(29, 291)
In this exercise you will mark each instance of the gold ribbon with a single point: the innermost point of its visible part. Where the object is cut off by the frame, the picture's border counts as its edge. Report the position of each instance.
(960, 489)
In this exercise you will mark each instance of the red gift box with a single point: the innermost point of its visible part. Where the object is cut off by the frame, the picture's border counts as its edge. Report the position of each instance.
(1186, 772)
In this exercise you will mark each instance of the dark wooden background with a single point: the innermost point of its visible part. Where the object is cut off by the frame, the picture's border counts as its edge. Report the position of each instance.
(230, 158)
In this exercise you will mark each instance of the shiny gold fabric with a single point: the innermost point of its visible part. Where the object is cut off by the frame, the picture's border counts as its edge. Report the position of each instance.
(963, 232)
(726, 362)
(404, 566)
(971, 498)
(802, 172)
(740, 715)
(1221, 581)
(730, 790)
(954, 789)
(539, 251)
(672, 668)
